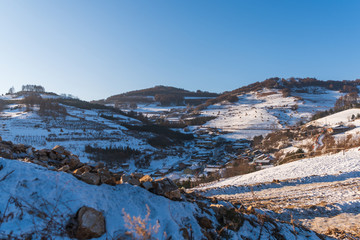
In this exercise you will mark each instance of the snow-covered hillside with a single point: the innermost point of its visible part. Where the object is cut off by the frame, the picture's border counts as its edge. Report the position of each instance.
(74, 131)
(80, 127)
(36, 203)
(349, 116)
(258, 113)
(321, 191)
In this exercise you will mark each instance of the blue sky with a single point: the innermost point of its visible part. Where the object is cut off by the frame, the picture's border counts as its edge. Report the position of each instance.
(94, 49)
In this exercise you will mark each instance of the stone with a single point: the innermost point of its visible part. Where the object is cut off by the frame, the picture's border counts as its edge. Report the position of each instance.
(73, 162)
(52, 155)
(173, 195)
(43, 152)
(204, 222)
(6, 151)
(146, 178)
(82, 170)
(88, 223)
(43, 164)
(90, 178)
(67, 153)
(125, 178)
(58, 149)
(64, 168)
(43, 158)
(137, 175)
(19, 148)
(164, 185)
(106, 177)
(147, 185)
(134, 181)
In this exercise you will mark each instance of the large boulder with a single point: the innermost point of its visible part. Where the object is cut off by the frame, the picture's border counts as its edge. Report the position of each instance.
(166, 187)
(88, 223)
(106, 176)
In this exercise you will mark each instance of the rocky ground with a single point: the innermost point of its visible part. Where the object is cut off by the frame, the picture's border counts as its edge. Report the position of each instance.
(50, 194)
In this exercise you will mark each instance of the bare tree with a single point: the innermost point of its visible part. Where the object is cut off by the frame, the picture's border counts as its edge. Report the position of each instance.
(11, 90)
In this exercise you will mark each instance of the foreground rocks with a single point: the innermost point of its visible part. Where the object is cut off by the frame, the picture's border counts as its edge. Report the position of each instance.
(59, 159)
(86, 224)
(213, 219)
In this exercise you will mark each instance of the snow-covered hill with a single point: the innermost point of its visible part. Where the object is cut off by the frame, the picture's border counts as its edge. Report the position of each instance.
(320, 192)
(263, 111)
(36, 203)
(345, 117)
(85, 126)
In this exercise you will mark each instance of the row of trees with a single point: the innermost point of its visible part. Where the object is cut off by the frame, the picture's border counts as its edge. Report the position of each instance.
(48, 107)
(33, 88)
(169, 99)
(28, 88)
(347, 101)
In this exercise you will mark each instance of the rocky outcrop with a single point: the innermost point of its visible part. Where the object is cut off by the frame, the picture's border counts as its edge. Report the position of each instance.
(86, 224)
(60, 159)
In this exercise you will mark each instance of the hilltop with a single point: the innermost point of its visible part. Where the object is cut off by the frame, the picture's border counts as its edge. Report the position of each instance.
(164, 95)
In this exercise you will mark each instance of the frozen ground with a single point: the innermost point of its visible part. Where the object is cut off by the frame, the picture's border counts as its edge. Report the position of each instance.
(321, 193)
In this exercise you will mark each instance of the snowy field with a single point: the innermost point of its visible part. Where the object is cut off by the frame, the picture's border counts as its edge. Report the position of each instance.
(321, 193)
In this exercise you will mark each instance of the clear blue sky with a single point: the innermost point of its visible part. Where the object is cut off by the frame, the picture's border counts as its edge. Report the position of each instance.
(94, 49)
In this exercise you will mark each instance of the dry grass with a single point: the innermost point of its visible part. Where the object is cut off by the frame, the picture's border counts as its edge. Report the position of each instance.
(140, 228)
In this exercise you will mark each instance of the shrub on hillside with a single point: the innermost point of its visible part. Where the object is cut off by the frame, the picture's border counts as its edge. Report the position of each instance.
(111, 155)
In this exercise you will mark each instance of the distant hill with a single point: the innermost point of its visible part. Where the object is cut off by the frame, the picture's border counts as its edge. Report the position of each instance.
(163, 90)
(165, 94)
(287, 86)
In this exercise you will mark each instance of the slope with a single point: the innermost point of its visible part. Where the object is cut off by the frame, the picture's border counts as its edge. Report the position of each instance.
(37, 203)
(320, 192)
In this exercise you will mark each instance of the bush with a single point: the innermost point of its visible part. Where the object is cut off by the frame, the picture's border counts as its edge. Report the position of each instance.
(139, 228)
(111, 155)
